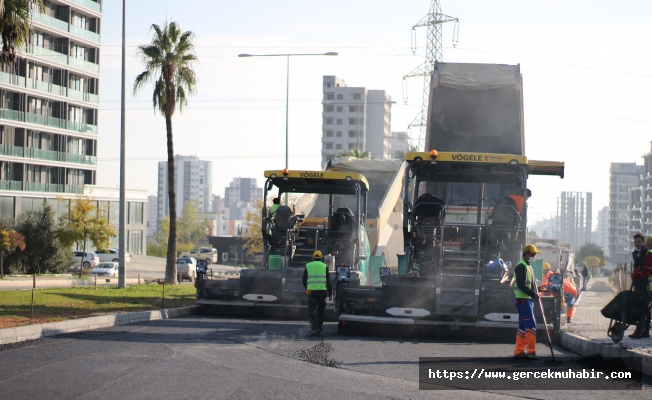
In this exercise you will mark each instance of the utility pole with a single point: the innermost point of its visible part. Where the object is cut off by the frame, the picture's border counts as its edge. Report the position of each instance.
(122, 267)
(433, 21)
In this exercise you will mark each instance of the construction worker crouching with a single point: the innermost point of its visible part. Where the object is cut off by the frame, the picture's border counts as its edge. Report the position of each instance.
(318, 286)
(525, 291)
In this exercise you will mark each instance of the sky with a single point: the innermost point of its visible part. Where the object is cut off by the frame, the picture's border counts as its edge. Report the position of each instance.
(585, 65)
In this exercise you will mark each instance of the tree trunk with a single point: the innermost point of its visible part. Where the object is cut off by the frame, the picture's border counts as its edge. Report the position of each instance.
(171, 262)
(81, 265)
(2, 264)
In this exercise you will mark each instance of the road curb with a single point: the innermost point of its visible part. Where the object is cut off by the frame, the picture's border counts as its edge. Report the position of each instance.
(65, 282)
(27, 332)
(587, 347)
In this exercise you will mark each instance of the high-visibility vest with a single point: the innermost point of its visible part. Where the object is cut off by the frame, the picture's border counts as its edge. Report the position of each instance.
(316, 275)
(528, 280)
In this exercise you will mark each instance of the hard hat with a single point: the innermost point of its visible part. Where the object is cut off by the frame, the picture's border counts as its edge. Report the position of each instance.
(546, 266)
(648, 242)
(530, 248)
(317, 254)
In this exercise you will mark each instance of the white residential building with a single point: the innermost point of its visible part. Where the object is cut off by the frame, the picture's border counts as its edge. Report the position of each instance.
(395, 145)
(152, 216)
(623, 177)
(193, 180)
(602, 234)
(354, 117)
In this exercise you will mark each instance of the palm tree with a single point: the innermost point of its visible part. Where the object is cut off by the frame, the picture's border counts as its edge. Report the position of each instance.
(15, 20)
(168, 60)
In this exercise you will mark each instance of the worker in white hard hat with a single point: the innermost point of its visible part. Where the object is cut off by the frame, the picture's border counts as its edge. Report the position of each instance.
(318, 286)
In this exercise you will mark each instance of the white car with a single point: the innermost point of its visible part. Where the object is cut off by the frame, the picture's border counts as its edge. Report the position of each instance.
(187, 268)
(108, 255)
(106, 269)
(90, 259)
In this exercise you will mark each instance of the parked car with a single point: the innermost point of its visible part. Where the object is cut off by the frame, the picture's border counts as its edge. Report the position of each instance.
(90, 259)
(187, 268)
(108, 255)
(207, 254)
(105, 269)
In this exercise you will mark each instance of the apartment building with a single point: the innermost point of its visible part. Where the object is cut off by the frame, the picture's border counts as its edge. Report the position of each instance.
(623, 177)
(395, 145)
(640, 200)
(49, 100)
(194, 181)
(354, 117)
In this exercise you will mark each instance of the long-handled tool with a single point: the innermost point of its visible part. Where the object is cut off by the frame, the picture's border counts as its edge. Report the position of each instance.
(543, 314)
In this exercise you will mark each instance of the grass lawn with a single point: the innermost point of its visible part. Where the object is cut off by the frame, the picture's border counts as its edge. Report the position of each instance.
(59, 304)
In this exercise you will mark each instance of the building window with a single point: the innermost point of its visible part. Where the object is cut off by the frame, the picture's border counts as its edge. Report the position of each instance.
(328, 84)
(328, 133)
(357, 96)
(328, 121)
(328, 108)
(352, 134)
(340, 97)
(338, 134)
(353, 108)
(339, 109)
(353, 121)
(328, 146)
(339, 122)
(351, 145)
(329, 97)
(338, 147)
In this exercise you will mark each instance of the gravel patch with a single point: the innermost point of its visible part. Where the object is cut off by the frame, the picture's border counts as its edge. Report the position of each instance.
(318, 354)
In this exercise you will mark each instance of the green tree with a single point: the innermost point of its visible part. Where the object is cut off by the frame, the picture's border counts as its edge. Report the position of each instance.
(83, 223)
(192, 228)
(591, 249)
(43, 251)
(253, 223)
(15, 21)
(355, 153)
(592, 261)
(169, 60)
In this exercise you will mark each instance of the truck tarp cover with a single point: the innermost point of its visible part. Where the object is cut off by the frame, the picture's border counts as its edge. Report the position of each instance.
(476, 108)
(379, 173)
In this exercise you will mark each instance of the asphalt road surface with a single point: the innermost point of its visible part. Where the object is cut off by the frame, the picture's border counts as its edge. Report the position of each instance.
(218, 358)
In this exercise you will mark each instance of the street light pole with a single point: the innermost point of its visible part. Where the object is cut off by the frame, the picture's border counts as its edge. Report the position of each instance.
(122, 266)
(287, 113)
(287, 98)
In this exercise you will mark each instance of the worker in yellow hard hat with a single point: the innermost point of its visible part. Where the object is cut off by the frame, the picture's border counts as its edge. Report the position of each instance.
(318, 286)
(525, 291)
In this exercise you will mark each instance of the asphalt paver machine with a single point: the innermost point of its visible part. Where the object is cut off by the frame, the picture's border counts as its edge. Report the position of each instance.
(330, 217)
(460, 236)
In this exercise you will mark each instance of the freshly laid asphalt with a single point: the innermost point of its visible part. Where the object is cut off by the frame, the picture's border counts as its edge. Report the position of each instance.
(203, 357)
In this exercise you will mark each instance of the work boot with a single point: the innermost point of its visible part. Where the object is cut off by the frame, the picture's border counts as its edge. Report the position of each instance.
(568, 320)
(635, 335)
(521, 356)
(532, 356)
(645, 334)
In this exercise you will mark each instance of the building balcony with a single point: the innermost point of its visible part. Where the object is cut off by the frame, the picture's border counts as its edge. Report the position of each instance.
(47, 87)
(47, 121)
(11, 185)
(90, 4)
(49, 155)
(83, 64)
(43, 187)
(85, 34)
(50, 21)
(54, 56)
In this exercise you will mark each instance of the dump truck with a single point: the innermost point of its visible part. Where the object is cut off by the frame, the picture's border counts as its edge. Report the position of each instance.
(290, 237)
(460, 230)
(384, 209)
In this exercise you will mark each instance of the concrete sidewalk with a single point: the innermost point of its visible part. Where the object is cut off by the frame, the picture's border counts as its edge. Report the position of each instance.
(587, 334)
